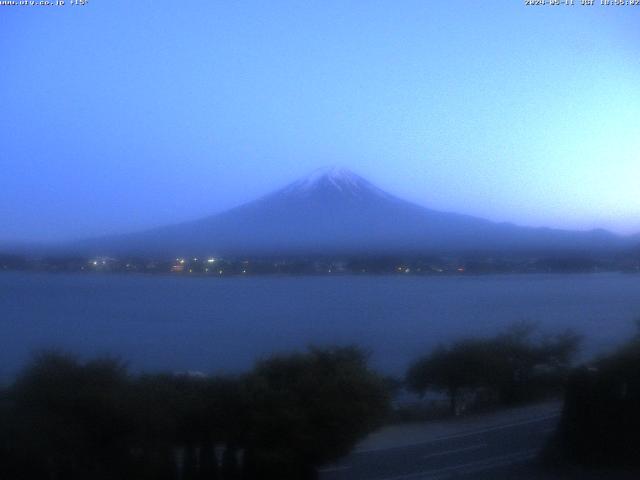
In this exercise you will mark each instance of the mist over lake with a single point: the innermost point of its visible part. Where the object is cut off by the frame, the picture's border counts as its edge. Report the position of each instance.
(224, 325)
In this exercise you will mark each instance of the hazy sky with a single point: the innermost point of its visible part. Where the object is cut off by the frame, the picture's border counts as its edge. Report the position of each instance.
(121, 115)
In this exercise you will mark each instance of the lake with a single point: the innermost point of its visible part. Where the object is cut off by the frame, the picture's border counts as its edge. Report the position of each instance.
(224, 324)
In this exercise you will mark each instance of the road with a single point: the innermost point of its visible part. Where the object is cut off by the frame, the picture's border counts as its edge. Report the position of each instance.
(499, 447)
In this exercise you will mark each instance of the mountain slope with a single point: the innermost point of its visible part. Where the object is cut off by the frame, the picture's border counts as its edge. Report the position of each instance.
(336, 211)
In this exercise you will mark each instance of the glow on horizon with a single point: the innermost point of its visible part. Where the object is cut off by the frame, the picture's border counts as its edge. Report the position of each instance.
(120, 116)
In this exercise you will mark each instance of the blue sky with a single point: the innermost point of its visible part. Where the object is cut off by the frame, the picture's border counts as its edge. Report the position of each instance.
(121, 115)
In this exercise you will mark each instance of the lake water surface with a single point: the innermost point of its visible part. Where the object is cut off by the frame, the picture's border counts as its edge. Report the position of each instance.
(225, 324)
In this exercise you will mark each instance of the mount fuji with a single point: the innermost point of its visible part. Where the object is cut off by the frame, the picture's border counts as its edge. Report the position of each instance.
(335, 211)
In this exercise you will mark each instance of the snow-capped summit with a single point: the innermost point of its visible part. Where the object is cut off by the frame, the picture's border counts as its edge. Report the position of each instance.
(339, 177)
(332, 179)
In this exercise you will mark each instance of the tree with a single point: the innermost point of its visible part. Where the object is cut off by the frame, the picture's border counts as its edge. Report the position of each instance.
(515, 365)
(450, 369)
(524, 366)
(309, 409)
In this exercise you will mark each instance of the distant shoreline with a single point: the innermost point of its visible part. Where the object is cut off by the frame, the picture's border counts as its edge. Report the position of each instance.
(314, 275)
(432, 265)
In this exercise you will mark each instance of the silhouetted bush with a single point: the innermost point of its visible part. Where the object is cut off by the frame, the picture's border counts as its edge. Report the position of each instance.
(509, 368)
(68, 420)
(601, 416)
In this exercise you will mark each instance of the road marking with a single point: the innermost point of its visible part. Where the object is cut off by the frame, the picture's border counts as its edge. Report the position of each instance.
(463, 435)
(499, 427)
(471, 467)
(456, 450)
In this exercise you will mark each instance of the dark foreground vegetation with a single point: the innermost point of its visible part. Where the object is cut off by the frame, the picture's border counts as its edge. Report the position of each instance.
(65, 420)
(600, 423)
